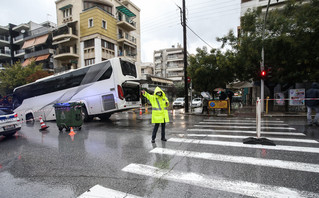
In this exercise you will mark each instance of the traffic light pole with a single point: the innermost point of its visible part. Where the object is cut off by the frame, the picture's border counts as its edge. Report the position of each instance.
(262, 65)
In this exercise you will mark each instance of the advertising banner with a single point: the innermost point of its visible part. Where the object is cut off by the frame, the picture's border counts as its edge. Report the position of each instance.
(295, 96)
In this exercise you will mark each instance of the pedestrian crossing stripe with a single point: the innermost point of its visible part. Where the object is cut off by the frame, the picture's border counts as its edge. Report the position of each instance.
(217, 183)
(249, 132)
(298, 166)
(242, 137)
(239, 144)
(244, 127)
(243, 123)
(238, 121)
(99, 191)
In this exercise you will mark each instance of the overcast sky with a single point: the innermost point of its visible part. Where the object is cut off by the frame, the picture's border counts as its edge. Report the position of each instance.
(160, 20)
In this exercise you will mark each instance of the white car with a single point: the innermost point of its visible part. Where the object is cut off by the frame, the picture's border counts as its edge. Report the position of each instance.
(197, 102)
(179, 102)
(9, 122)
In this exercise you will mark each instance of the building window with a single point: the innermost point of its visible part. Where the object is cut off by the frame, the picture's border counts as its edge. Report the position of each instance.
(89, 43)
(90, 61)
(107, 45)
(104, 24)
(67, 12)
(142, 71)
(90, 23)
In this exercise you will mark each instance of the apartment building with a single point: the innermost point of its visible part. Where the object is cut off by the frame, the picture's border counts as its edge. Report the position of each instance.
(147, 69)
(251, 4)
(26, 42)
(169, 63)
(90, 31)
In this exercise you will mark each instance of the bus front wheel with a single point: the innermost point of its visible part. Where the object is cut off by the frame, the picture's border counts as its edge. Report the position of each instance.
(85, 115)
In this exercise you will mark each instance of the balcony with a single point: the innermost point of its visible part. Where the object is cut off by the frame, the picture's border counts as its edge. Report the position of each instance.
(127, 54)
(38, 53)
(19, 39)
(174, 58)
(126, 23)
(65, 53)
(19, 53)
(4, 40)
(64, 34)
(127, 39)
(5, 53)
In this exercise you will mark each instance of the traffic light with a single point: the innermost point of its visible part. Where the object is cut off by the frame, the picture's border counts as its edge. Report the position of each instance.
(263, 74)
(269, 72)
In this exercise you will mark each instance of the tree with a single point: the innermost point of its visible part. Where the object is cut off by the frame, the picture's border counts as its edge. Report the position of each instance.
(291, 43)
(209, 70)
(16, 75)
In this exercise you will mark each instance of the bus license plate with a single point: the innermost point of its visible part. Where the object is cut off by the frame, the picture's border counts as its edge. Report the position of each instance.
(10, 127)
(133, 103)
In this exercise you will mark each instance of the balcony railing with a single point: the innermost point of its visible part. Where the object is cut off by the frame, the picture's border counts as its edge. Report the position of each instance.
(127, 37)
(4, 38)
(2, 51)
(126, 19)
(38, 53)
(21, 51)
(64, 30)
(20, 37)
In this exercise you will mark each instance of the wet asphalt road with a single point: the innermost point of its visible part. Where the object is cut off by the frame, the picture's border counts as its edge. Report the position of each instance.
(111, 154)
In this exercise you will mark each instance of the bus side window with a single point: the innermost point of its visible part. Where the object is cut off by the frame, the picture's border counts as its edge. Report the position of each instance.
(107, 74)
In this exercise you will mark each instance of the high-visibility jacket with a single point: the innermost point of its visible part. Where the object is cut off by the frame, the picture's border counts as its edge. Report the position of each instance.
(159, 107)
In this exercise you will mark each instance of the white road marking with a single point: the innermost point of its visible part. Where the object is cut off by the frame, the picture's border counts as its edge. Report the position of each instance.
(242, 137)
(233, 120)
(243, 123)
(245, 127)
(217, 183)
(298, 166)
(98, 191)
(250, 132)
(242, 145)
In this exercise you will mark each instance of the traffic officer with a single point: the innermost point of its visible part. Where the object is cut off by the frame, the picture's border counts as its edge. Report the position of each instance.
(159, 104)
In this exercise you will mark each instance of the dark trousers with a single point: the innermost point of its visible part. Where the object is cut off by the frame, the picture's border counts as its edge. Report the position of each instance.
(205, 109)
(155, 130)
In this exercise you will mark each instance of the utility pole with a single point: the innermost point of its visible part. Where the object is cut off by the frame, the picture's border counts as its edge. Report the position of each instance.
(185, 58)
(262, 65)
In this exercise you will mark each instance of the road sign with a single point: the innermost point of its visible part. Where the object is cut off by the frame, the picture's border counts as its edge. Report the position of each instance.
(218, 104)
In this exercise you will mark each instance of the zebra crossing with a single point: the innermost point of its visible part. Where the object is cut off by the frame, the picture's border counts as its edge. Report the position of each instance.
(227, 134)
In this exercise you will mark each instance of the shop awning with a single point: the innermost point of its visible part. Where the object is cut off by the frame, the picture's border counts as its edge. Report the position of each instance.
(41, 39)
(43, 57)
(125, 11)
(28, 43)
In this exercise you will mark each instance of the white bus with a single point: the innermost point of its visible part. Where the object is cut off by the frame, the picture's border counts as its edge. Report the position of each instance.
(104, 88)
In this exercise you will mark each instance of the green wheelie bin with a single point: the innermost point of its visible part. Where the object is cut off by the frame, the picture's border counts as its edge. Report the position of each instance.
(68, 115)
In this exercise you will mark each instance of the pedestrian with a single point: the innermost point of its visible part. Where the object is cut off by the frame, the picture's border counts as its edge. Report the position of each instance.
(159, 104)
(205, 105)
(313, 92)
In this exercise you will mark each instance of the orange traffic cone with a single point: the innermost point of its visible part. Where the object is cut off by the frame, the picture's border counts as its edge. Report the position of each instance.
(43, 126)
(146, 109)
(72, 133)
(141, 111)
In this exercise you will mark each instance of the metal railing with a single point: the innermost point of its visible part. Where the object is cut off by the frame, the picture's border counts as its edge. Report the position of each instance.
(2, 51)
(19, 51)
(127, 37)
(4, 38)
(126, 19)
(64, 30)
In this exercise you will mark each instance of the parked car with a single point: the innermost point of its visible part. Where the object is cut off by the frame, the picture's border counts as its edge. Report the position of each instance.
(9, 122)
(179, 102)
(196, 102)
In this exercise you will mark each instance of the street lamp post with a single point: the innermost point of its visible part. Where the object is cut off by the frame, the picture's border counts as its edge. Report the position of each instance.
(262, 65)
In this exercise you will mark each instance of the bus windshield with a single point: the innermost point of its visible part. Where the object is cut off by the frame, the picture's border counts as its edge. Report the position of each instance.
(128, 69)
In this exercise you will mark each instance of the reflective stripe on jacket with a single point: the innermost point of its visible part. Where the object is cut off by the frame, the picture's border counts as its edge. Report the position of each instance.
(159, 107)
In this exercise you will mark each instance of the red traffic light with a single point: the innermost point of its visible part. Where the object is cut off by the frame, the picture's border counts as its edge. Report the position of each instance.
(263, 73)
